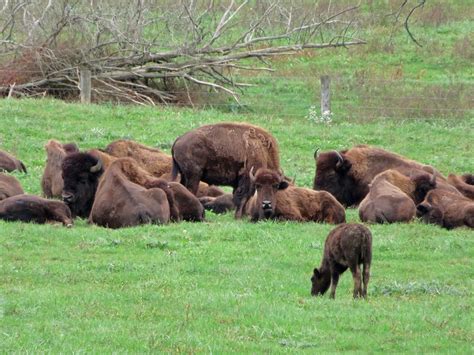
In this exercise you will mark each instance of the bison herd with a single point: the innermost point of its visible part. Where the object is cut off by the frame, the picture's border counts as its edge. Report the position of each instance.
(128, 184)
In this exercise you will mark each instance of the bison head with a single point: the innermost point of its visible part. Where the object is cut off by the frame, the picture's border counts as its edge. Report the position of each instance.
(333, 174)
(429, 214)
(266, 182)
(423, 184)
(81, 173)
(320, 282)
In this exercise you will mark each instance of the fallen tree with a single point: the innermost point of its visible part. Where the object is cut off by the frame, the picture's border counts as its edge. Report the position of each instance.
(148, 53)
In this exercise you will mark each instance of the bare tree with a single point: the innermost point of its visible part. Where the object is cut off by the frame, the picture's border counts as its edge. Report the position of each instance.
(139, 50)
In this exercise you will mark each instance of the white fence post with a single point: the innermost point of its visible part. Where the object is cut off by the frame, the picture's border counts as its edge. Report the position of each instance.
(325, 96)
(85, 85)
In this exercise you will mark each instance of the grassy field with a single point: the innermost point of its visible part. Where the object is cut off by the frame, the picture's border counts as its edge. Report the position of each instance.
(232, 286)
(227, 285)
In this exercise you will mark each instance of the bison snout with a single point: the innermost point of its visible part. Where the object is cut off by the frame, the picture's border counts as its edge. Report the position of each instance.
(267, 205)
(67, 197)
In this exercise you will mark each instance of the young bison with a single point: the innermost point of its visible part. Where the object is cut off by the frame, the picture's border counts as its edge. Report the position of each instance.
(347, 246)
(274, 198)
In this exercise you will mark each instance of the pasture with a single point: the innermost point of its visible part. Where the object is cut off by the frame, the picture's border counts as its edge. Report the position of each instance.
(227, 285)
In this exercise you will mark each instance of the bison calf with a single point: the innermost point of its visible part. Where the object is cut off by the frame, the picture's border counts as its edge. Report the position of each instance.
(347, 246)
(29, 208)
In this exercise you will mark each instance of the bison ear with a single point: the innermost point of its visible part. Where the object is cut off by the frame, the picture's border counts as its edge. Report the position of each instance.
(283, 185)
(316, 272)
(343, 167)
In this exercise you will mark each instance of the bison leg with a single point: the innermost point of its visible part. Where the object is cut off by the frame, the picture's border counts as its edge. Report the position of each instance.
(357, 281)
(334, 282)
(366, 276)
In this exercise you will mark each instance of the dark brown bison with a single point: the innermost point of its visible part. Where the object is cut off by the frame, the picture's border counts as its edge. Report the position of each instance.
(9, 163)
(81, 173)
(347, 246)
(29, 208)
(121, 203)
(392, 197)
(348, 173)
(220, 204)
(446, 209)
(52, 180)
(275, 198)
(9, 186)
(464, 184)
(222, 154)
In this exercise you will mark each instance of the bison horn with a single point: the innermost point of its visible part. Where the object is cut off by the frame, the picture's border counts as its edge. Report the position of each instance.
(252, 176)
(316, 154)
(97, 167)
(340, 159)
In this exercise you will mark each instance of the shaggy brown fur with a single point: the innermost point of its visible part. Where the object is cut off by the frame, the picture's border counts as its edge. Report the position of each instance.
(120, 202)
(52, 181)
(153, 160)
(222, 154)
(348, 178)
(220, 204)
(392, 197)
(464, 184)
(9, 186)
(347, 246)
(447, 209)
(275, 198)
(29, 208)
(9, 163)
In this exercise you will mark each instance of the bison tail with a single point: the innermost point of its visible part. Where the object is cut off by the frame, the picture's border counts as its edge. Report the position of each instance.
(175, 170)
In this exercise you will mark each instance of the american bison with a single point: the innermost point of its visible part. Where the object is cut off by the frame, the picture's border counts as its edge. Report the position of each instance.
(52, 180)
(222, 154)
(220, 204)
(348, 173)
(29, 208)
(392, 197)
(446, 209)
(153, 160)
(347, 246)
(81, 173)
(9, 163)
(9, 186)
(275, 198)
(464, 184)
(120, 202)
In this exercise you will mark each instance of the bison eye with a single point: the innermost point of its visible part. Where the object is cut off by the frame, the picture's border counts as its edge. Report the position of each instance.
(276, 186)
(258, 186)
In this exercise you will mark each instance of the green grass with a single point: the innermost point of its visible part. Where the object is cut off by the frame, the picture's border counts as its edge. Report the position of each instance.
(227, 285)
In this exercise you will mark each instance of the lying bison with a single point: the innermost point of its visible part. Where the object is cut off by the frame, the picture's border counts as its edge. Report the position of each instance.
(392, 197)
(9, 186)
(275, 198)
(29, 208)
(348, 173)
(121, 203)
(9, 163)
(222, 154)
(52, 180)
(446, 209)
(347, 246)
(464, 184)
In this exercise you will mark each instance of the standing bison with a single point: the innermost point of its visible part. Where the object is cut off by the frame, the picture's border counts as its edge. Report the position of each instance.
(348, 173)
(223, 154)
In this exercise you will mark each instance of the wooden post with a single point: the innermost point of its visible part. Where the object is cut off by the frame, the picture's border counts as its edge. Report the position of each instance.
(325, 95)
(85, 86)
